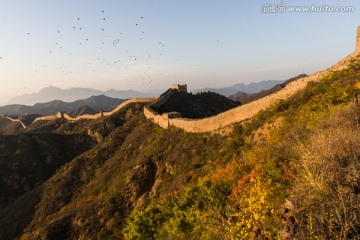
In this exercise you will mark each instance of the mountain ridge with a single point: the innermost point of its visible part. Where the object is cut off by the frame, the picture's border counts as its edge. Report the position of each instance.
(97, 103)
(51, 93)
(249, 97)
(253, 87)
(72, 94)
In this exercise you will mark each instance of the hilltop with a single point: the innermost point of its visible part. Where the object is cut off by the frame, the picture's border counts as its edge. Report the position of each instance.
(198, 105)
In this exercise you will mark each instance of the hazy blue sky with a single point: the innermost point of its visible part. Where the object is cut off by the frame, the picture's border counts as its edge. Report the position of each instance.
(151, 44)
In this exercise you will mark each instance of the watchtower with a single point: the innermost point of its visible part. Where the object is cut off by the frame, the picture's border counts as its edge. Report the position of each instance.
(180, 87)
(59, 115)
(358, 40)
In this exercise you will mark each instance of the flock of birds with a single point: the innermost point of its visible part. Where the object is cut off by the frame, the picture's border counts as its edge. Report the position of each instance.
(119, 60)
(103, 52)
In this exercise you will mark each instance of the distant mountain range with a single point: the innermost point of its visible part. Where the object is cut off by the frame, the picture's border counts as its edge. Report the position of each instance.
(249, 97)
(51, 93)
(72, 94)
(241, 87)
(85, 106)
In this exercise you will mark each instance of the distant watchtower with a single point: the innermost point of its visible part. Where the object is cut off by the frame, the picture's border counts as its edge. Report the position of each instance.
(180, 87)
(358, 40)
(59, 115)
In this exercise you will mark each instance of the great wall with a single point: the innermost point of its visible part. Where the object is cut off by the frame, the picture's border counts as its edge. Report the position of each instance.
(61, 115)
(14, 120)
(224, 119)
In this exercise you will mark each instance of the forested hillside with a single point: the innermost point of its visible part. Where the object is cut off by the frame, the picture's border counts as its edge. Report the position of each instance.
(290, 172)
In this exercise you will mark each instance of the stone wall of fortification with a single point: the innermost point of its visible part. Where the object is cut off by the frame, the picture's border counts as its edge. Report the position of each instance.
(95, 116)
(89, 116)
(46, 118)
(162, 121)
(358, 40)
(127, 102)
(149, 113)
(16, 120)
(245, 111)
